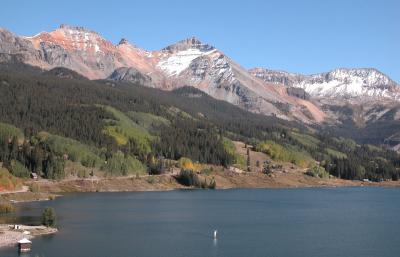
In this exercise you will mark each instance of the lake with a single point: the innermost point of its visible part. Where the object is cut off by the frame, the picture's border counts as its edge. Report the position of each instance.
(313, 222)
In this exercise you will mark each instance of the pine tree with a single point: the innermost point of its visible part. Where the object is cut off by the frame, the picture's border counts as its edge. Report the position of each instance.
(248, 163)
(13, 148)
(49, 218)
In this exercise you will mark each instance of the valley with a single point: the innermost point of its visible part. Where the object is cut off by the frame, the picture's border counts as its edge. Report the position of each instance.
(199, 129)
(62, 120)
(350, 102)
(134, 151)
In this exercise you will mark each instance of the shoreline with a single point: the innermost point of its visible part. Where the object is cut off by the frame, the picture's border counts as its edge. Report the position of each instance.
(50, 190)
(162, 183)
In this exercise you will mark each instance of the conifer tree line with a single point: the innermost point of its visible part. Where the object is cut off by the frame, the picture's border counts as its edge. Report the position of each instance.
(72, 108)
(23, 159)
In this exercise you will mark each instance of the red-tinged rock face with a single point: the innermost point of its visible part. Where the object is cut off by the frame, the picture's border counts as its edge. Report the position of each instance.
(75, 39)
(91, 55)
(78, 49)
(135, 57)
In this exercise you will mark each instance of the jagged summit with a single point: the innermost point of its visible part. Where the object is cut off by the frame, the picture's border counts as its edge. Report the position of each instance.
(194, 41)
(124, 41)
(76, 28)
(188, 43)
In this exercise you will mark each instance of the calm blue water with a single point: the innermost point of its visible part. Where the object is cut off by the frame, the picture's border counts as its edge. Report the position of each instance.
(348, 222)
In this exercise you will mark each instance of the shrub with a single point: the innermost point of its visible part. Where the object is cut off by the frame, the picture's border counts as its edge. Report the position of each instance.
(189, 178)
(34, 188)
(230, 148)
(75, 150)
(212, 184)
(286, 153)
(305, 140)
(18, 169)
(120, 164)
(8, 181)
(159, 166)
(185, 163)
(317, 171)
(82, 173)
(206, 171)
(49, 218)
(151, 180)
(10, 131)
(335, 154)
(125, 131)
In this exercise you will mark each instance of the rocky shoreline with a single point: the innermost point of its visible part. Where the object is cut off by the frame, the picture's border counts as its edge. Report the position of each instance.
(11, 234)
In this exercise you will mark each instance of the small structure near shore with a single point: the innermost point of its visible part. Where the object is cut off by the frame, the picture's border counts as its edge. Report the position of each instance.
(24, 245)
(34, 175)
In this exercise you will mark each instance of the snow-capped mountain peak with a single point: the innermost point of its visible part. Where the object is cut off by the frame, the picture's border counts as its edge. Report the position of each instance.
(181, 60)
(178, 57)
(368, 77)
(349, 83)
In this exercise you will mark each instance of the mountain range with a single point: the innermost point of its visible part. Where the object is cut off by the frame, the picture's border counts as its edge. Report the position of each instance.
(358, 99)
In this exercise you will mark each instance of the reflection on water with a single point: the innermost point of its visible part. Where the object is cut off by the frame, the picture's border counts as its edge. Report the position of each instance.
(215, 241)
(26, 220)
(26, 213)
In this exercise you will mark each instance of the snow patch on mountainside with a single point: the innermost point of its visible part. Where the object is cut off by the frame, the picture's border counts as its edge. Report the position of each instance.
(348, 82)
(180, 61)
(353, 88)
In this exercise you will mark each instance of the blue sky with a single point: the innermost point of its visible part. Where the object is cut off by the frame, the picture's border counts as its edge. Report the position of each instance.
(302, 36)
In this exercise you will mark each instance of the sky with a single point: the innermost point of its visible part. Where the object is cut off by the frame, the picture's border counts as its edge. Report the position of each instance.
(303, 36)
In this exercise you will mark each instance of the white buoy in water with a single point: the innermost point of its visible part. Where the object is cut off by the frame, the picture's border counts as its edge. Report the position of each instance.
(215, 234)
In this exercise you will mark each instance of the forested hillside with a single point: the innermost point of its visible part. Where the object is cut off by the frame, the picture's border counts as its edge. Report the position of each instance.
(48, 118)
